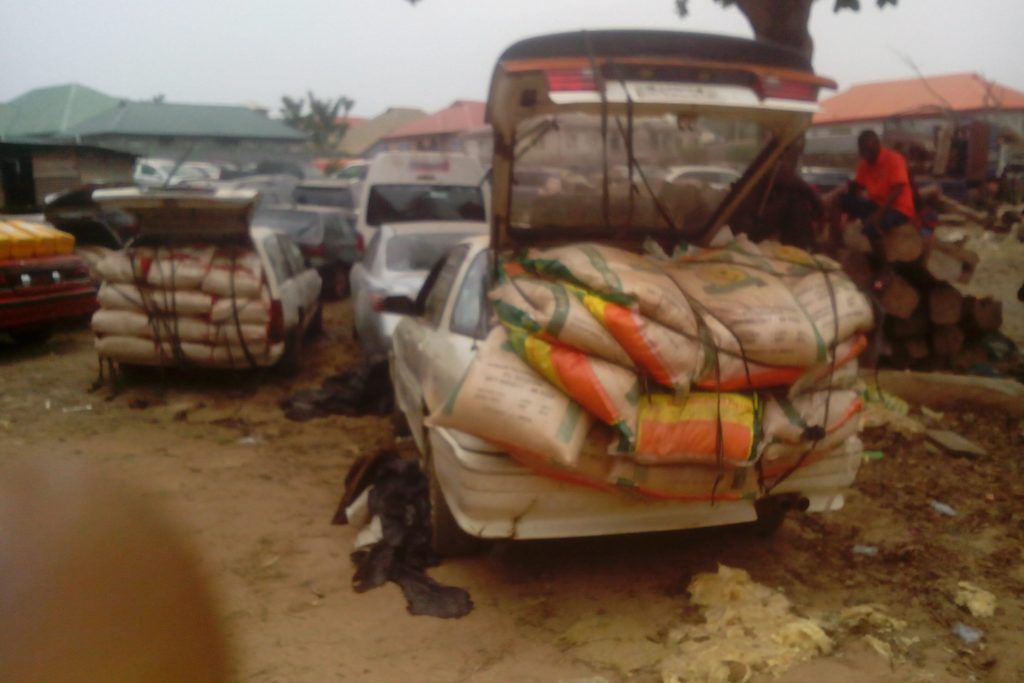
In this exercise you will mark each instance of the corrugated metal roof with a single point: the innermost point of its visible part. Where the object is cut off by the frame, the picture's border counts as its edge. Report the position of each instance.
(185, 120)
(360, 138)
(916, 97)
(461, 116)
(52, 111)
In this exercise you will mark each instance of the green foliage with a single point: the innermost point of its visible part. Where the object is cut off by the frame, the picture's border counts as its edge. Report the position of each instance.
(854, 5)
(324, 122)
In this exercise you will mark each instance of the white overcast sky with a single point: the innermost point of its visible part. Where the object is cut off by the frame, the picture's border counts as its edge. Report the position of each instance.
(387, 53)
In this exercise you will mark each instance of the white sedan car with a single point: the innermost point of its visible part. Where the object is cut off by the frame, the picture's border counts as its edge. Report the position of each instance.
(396, 263)
(477, 491)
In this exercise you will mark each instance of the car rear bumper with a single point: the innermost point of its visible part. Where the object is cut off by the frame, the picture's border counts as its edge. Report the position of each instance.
(64, 304)
(492, 496)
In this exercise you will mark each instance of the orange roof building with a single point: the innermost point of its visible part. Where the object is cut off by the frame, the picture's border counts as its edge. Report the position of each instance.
(439, 131)
(929, 96)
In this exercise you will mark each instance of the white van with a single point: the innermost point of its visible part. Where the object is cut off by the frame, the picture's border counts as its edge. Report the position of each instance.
(409, 187)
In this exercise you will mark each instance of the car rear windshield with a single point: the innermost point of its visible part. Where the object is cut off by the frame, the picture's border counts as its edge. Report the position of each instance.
(664, 173)
(293, 223)
(406, 203)
(420, 251)
(340, 197)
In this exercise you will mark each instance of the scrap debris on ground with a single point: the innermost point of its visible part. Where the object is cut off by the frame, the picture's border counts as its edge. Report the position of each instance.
(389, 499)
(364, 389)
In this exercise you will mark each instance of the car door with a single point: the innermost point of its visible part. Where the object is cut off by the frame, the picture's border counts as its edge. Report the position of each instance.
(307, 280)
(361, 283)
(412, 356)
(287, 292)
(449, 348)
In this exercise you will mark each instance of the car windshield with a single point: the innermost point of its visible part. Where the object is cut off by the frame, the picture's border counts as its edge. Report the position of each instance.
(291, 222)
(340, 197)
(682, 167)
(406, 203)
(420, 251)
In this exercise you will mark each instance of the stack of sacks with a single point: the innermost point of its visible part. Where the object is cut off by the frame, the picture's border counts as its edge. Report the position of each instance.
(733, 365)
(200, 305)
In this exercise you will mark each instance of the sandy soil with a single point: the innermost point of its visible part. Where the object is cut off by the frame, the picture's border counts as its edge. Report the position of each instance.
(255, 494)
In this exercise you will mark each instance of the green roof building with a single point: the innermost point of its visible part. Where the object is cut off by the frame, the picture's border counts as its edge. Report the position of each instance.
(51, 112)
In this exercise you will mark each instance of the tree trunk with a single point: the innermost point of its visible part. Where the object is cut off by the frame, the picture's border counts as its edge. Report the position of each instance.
(781, 21)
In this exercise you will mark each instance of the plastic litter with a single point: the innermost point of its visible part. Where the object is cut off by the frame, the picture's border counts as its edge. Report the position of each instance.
(874, 455)
(942, 508)
(968, 634)
(866, 550)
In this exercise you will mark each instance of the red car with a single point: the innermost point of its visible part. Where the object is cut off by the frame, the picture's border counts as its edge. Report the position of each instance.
(39, 293)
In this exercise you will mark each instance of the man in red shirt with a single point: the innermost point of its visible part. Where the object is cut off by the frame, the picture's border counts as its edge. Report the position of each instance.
(880, 195)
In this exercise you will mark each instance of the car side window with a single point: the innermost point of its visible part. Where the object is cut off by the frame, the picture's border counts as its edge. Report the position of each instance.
(293, 257)
(433, 305)
(272, 247)
(472, 310)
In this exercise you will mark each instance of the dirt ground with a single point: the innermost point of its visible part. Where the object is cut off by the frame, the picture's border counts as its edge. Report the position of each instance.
(255, 493)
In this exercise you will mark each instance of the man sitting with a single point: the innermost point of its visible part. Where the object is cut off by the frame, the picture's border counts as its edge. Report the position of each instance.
(880, 194)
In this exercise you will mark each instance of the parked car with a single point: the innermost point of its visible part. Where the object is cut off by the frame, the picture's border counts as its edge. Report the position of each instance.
(476, 490)
(411, 187)
(336, 193)
(41, 289)
(269, 189)
(168, 218)
(823, 179)
(326, 237)
(715, 177)
(355, 171)
(168, 173)
(396, 263)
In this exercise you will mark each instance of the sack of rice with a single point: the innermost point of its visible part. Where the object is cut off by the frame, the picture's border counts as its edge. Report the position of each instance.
(607, 391)
(180, 267)
(120, 297)
(237, 273)
(254, 310)
(619, 276)
(163, 328)
(802, 418)
(502, 400)
(548, 308)
(128, 349)
(126, 266)
(228, 333)
(718, 429)
(668, 357)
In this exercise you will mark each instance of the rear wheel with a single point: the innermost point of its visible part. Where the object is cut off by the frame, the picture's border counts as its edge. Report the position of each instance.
(336, 283)
(447, 537)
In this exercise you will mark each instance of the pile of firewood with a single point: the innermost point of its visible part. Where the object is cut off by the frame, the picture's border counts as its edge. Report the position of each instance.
(928, 324)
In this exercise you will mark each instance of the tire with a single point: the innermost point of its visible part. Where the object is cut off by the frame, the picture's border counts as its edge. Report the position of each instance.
(447, 538)
(291, 361)
(316, 325)
(336, 283)
(34, 335)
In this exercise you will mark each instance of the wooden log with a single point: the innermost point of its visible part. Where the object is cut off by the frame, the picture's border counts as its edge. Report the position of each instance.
(947, 340)
(949, 263)
(945, 304)
(910, 352)
(915, 326)
(943, 391)
(902, 244)
(982, 315)
(855, 239)
(899, 298)
(969, 356)
(857, 266)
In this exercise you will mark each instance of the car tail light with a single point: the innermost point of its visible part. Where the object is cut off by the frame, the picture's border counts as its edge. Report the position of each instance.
(360, 243)
(3, 279)
(377, 300)
(570, 80)
(781, 89)
(276, 327)
(313, 249)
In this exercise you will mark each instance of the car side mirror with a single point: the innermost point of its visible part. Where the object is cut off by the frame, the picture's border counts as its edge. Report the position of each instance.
(399, 305)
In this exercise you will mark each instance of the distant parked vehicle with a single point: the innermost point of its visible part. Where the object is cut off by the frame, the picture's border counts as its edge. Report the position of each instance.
(715, 177)
(270, 189)
(325, 235)
(396, 263)
(168, 173)
(823, 179)
(42, 284)
(354, 171)
(329, 192)
(414, 187)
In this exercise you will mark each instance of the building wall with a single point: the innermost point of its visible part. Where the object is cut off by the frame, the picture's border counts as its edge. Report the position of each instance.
(204, 149)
